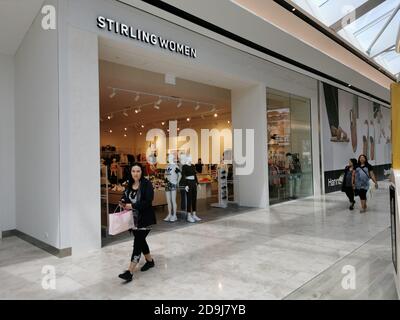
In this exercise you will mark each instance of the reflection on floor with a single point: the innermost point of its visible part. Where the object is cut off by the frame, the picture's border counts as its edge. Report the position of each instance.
(294, 250)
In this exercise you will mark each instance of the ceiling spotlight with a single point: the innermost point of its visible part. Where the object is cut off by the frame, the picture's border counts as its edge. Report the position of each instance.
(142, 126)
(229, 122)
(197, 107)
(294, 9)
(188, 119)
(110, 131)
(126, 129)
(167, 130)
(138, 110)
(179, 129)
(110, 116)
(163, 123)
(179, 104)
(137, 97)
(113, 94)
(141, 133)
(125, 135)
(125, 114)
(215, 115)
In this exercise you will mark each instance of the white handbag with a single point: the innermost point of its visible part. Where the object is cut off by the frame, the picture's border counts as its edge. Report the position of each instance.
(120, 222)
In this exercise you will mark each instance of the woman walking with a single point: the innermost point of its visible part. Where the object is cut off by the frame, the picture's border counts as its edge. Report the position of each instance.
(348, 181)
(363, 173)
(138, 197)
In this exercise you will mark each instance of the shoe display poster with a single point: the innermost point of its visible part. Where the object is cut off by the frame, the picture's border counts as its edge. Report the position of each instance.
(353, 126)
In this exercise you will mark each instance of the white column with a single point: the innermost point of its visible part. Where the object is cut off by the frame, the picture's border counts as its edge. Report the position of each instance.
(249, 111)
(80, 143)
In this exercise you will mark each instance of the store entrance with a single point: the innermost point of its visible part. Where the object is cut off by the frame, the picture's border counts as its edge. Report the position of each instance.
(134, 101)
(289, 147)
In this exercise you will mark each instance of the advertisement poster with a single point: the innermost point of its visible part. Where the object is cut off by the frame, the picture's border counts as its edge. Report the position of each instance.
(353, 126)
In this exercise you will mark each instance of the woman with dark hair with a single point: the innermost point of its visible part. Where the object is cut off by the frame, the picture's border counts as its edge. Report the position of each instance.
(363, 173)
(138, 197)
(348, 181)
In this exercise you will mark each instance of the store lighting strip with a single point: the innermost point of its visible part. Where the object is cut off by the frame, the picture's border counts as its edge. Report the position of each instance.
(197, 104)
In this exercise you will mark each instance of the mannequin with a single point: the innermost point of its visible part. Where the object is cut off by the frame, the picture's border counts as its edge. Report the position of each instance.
(114, 171)
(172, 178)
(191, 183)
(182, 162)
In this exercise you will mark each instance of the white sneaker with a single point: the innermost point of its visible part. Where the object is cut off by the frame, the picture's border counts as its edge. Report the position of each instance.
(190, 218)
(168, 218)
(173, 218)
(195, 217)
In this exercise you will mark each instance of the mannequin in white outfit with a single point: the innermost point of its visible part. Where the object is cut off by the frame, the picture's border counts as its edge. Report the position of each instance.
(172, 178)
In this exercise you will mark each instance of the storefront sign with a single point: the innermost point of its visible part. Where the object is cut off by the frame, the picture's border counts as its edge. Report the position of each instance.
(146, 37)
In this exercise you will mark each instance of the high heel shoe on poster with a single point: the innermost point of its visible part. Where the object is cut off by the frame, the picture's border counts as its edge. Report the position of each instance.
(353, 130)
(372, 142)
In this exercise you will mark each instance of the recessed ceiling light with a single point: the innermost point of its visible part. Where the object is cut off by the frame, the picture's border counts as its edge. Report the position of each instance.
(163, 123)
(125, 135)
(142, 126)
(188, 119)
(110, 131)
(141, 133)
(126, 129)
(215, 115)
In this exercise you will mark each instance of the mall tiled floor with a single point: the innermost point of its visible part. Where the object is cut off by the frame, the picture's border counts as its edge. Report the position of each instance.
(292, 251)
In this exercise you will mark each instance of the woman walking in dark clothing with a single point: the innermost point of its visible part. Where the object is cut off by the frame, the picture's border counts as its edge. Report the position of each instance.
(138, 197)
(363, 174)
(348, 181)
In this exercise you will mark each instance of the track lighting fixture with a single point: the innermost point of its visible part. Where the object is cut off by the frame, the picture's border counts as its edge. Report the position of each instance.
(179, 104)
(113, 94)
(156, 106)
(159, 101)
(197, 107)
(125, 114)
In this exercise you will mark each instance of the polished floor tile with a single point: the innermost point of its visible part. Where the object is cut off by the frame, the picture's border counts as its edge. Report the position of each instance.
(295, 250)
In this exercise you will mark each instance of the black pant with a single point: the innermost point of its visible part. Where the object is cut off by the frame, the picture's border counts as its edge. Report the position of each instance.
(183, 200)
(192, 196)
(140, 245)
(349, 193)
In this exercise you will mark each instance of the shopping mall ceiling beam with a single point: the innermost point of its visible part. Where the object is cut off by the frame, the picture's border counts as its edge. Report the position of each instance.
(383, 29)
(355, 14)
(388, 49)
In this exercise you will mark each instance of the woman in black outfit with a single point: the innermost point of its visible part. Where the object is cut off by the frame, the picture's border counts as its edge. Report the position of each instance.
(348, 181)
(138, 197)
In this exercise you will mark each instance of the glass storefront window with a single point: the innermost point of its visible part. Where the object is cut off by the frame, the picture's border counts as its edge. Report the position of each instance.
(289, 147)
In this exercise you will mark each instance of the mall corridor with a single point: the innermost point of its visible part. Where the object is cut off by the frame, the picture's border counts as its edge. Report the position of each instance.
(293, 251)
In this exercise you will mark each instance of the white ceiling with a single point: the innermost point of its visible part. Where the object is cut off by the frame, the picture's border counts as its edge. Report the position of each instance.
(16, 16)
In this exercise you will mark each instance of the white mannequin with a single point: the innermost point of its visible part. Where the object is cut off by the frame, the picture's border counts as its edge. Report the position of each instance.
(172, 176)
(192, 216)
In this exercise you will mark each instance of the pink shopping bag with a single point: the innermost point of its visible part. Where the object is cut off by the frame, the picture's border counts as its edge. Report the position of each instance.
(120, 222)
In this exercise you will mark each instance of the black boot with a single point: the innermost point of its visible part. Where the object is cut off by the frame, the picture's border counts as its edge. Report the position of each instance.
(127, 276)
(352, 205)
(148, 265)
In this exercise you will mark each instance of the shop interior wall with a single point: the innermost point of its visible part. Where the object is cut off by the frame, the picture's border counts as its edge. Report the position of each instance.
(7, 143)
(37, 134)
(135, 143)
